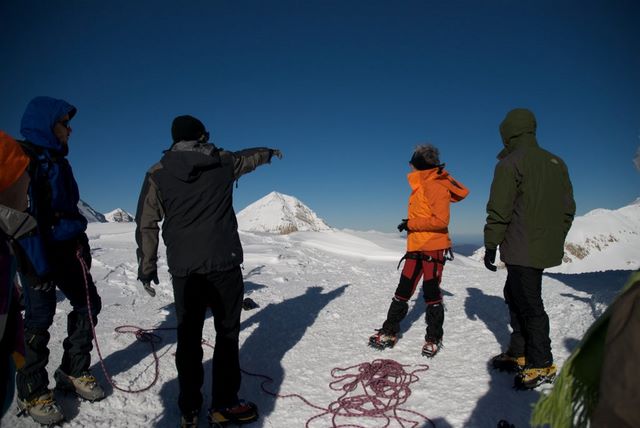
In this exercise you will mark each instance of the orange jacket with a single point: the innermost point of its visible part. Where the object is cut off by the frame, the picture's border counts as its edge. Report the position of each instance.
(433, 192)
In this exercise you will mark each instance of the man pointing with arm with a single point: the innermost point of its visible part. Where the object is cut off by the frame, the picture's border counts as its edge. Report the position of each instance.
(191, 189)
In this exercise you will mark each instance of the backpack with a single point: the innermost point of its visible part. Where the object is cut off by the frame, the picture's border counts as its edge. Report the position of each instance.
(53, 196)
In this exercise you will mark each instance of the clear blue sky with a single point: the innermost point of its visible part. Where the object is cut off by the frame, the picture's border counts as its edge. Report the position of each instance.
(344, 88)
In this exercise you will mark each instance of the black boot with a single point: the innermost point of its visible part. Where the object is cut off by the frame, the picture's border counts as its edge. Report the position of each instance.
(434, 319)
(76, 358)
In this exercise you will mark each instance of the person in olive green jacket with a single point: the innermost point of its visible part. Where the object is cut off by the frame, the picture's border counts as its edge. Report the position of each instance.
(529, 213)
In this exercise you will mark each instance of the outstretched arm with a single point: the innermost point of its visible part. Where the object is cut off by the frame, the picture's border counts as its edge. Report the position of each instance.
(247, 160)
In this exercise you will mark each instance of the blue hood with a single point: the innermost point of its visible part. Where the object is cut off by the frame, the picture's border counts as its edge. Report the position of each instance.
(39, 118)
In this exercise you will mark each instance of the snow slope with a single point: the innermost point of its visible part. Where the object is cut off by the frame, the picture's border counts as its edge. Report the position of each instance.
(602, 240)
(321, 294)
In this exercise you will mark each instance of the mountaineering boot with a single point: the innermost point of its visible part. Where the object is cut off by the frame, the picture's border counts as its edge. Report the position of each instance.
(189, 420)
(508, 363)
(382, 340)
(532, 377)
(43, 409)
(242, 413)
(431, 347)
(84, 386)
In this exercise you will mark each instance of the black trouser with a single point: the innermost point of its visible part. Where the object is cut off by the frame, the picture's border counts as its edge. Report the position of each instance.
(529, 321)
(223, 293)
(10, 336)
(40, 306)
(431, 273)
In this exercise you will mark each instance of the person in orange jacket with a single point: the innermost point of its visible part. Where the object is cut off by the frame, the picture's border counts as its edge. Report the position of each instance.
(428, 248)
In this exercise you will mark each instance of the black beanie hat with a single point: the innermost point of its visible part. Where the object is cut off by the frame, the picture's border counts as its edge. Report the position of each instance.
(425, 157)
(186, 128)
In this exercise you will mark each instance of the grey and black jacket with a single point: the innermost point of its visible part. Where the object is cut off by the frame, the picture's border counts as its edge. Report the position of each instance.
(191, 189)
(531, 205)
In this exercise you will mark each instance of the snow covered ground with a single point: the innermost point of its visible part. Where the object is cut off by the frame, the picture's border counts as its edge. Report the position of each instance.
(321, 294)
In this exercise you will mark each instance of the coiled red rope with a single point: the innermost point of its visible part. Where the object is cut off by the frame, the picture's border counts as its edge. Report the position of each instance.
(374, 390)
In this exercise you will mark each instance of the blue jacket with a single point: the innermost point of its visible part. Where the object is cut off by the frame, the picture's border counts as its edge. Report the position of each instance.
(53, 191)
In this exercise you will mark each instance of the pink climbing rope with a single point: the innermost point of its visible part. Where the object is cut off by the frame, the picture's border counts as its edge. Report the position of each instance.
(373, 390)
(144, 335)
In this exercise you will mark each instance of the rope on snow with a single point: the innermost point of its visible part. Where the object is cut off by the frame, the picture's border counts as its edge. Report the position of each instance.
(373, 390)
(384, 384)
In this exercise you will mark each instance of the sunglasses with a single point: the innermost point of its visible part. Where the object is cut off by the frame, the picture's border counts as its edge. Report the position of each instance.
(64, 123)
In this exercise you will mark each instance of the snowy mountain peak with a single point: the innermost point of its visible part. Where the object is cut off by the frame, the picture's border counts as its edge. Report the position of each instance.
(119, 216)
(279, 213)
(90, 214)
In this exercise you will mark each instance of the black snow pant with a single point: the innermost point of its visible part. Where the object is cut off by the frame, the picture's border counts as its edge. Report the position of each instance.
(415, 267)
(194, 294)
(32, 379)
(529, 321)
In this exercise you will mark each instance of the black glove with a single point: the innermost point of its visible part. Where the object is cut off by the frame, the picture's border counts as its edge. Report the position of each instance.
(404, 225)
(490, 259)
(248, 304)
(146, 283)
(275, 152)
(84, 250)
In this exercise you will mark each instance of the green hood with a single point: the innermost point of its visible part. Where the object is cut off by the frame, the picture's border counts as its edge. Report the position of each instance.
(519, 122)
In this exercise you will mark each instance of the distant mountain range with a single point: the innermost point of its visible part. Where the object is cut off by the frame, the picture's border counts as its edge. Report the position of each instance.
(274, 213)
(116, 216)
(600, 240)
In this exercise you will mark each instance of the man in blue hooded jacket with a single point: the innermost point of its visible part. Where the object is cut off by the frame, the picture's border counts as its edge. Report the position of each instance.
(57, 254)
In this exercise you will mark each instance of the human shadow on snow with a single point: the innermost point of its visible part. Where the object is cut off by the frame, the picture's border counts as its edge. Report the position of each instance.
(500, 401)
(280, 326)
(603, 287)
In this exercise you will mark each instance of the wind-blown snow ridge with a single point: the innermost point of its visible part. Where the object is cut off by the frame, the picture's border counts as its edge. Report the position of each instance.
(278, 213)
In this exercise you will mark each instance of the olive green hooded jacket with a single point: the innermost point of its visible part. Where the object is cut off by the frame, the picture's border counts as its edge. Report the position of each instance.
(531, 206)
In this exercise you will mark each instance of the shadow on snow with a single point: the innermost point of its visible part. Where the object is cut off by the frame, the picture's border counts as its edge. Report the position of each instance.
(280, 326)
(500, 401)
